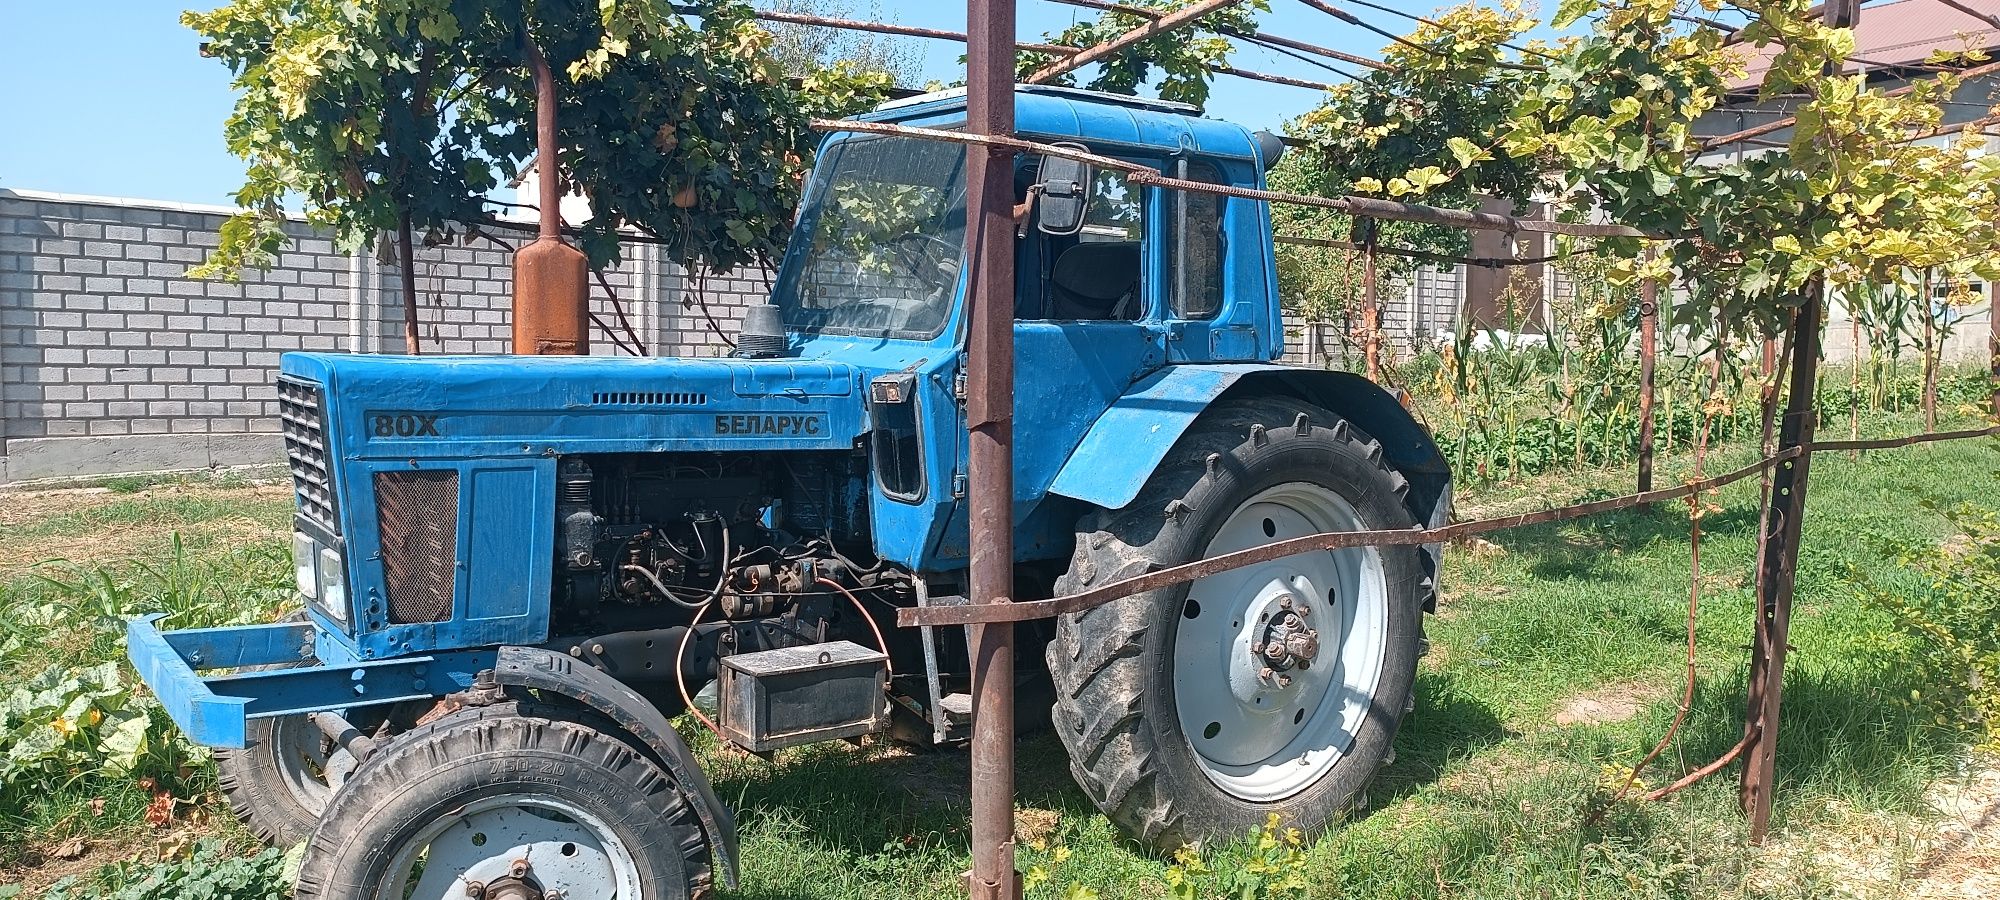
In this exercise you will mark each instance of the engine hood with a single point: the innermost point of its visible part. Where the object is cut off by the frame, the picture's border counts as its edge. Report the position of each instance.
(443, 406)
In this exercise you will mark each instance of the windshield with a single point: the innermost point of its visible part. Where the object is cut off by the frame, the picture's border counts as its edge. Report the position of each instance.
(884, 231)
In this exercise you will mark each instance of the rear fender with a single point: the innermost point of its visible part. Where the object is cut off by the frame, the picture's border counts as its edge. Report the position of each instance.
(549, 672)
(1121, 451)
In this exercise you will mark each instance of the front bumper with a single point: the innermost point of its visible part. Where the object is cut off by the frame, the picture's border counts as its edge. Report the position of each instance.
(309, 676)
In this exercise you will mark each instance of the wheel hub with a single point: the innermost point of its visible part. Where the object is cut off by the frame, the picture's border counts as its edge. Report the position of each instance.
(1288, 642)
(518, 884)
(517, 847)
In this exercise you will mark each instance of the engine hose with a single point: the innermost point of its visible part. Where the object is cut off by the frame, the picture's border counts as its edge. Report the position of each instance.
(880, 643)
(680, 675)
(665, 591)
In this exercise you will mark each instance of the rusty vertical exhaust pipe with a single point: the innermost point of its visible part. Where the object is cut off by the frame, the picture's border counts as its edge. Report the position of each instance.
(551, 278)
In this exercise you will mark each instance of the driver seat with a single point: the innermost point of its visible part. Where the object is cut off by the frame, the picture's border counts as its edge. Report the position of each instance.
(1095, 280)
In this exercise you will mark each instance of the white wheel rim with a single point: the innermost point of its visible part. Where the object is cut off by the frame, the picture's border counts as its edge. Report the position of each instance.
(1264, 737)
(567, 849)
(302, 754)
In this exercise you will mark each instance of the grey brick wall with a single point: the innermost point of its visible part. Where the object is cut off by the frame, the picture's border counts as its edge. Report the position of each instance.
(113, 360)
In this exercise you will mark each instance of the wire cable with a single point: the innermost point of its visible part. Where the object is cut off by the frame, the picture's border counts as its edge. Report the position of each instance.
(880, 643)
(680, 675)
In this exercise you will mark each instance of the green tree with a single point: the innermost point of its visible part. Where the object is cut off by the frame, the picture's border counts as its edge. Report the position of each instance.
(675, 118)
(1177, 63)
(1603, 122)
(803, 49)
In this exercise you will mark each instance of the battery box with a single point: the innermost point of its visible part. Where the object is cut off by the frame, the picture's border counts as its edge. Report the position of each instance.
(772, 699)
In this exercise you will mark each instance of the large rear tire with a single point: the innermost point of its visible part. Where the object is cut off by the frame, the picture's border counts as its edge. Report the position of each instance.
(519, 800)
(1193, 713)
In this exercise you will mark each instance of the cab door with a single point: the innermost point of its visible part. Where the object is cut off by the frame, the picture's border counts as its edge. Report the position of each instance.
(1087, 325)
(1217, 279)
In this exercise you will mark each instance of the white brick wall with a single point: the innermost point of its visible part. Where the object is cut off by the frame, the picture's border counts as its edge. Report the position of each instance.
(112, 359)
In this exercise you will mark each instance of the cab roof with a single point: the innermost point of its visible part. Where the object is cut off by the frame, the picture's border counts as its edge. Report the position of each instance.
(1096, 118)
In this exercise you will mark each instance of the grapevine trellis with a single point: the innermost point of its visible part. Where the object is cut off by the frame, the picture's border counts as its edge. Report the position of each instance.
(991, 611)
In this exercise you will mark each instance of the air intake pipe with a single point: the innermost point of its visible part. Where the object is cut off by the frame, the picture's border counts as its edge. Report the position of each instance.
(763, 333)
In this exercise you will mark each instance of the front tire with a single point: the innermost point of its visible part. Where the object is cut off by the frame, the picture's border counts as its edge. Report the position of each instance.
(279, 783)
(472, 797)
(1192, 713)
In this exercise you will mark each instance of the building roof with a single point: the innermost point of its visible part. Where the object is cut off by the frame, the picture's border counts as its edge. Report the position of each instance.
(1898, 33)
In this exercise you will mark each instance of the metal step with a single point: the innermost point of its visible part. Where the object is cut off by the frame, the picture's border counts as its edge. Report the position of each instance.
(954, 718)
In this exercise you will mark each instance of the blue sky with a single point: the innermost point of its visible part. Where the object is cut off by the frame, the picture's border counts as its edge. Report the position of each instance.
(109, 97)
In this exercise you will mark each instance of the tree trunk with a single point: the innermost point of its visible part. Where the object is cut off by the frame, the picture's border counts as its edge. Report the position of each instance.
(1853, 377)
(1371, 309)
(1930, 350)
(408, 277)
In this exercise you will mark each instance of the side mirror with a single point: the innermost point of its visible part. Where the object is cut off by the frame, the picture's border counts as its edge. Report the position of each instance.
(1065, 188)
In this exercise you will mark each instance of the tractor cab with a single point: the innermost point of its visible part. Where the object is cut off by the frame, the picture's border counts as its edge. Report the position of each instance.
(1128, 282)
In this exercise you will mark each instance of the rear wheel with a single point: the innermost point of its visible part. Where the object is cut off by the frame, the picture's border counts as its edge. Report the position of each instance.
(1192, 713)
(507, 803)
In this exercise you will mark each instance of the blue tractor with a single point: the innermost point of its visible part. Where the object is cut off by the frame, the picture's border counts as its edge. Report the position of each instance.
(516, 570)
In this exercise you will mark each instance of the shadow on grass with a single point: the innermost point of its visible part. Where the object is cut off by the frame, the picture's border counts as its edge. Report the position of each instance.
(1853, 734)
(1446, 725)
(906, 810)
(1580, 550)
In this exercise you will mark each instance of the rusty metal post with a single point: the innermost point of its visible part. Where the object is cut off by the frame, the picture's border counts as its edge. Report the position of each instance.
(551, 278)
(1649, 325)
(1778, 543)
(989, 406)
(1785, 514)
(1371, 305)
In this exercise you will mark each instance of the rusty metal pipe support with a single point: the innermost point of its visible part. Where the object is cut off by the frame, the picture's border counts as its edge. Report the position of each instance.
(989, 365)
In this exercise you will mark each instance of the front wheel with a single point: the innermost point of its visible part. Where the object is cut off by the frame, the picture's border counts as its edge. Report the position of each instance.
(1193, 713)
(507, 803)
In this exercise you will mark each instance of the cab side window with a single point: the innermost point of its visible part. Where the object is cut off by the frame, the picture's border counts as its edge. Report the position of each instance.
(1195, 245)
(1095, 274)
(1113, 212)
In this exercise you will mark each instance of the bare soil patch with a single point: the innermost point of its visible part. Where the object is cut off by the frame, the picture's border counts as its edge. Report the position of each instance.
(1965, 862)
(1610, 703)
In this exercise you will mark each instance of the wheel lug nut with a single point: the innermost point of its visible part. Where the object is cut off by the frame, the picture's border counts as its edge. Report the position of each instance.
(1284, 681)
(475, 889)
(1264, 674)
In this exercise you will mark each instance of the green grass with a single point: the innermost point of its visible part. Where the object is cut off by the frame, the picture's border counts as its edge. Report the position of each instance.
(1487, 796)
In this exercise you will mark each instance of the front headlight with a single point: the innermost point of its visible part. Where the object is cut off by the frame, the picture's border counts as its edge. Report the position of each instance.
(332, 585)
(304, 551)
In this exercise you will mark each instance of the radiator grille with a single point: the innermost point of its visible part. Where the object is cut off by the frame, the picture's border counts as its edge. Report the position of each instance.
(302, 413)
(418, 516)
